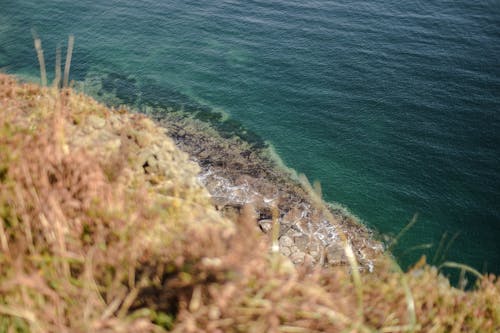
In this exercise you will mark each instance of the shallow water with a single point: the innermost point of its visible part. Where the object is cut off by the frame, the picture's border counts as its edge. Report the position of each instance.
(392, 105)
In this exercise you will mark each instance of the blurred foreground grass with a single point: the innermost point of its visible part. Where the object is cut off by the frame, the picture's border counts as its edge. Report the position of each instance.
(104, 228)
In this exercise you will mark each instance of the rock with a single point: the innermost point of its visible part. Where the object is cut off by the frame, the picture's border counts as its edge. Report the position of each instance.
(297, 257)
(204, 154)
(302, 242)
(335, 254)
(285, 251)
(285, 241)
(292, 216)
(266, 225)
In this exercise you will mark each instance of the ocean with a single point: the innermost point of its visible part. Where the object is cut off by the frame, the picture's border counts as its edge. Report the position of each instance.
(394, 106)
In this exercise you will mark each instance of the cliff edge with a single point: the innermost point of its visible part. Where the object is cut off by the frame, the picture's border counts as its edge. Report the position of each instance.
(107, 226)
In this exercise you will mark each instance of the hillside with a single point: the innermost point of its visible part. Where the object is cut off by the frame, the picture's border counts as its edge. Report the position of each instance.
(106, 227)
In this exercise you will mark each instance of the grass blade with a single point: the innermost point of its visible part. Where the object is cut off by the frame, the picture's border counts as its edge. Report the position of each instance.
(57, 79)
(67, 65)
(403, 232)
(41, 61)
(457, 265)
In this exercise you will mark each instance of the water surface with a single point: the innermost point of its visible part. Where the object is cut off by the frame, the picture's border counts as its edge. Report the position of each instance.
(392, 105)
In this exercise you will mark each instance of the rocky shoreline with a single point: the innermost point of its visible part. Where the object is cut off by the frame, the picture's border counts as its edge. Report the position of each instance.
(101, 206)
(238, 169)
(238, 174)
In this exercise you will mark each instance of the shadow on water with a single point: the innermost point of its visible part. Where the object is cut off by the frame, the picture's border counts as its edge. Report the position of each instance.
(150, 95)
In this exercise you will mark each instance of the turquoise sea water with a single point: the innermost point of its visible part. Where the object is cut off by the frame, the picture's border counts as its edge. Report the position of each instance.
(394, 106)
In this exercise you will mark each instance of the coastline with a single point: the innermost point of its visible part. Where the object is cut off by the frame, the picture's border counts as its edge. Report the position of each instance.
(239, 168)
(101, 206)
(237, 174)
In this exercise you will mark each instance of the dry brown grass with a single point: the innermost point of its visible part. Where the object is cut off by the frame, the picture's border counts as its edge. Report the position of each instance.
(94, 239)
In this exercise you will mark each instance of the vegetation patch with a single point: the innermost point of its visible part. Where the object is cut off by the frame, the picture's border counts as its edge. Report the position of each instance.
(104, 227)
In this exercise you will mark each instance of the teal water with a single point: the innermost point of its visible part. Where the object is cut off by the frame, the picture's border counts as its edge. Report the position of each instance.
(394, 106)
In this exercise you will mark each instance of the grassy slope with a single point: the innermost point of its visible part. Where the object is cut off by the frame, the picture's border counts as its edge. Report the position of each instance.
(104, 228)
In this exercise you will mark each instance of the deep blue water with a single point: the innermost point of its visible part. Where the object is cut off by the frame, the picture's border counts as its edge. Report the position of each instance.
(393, 105)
